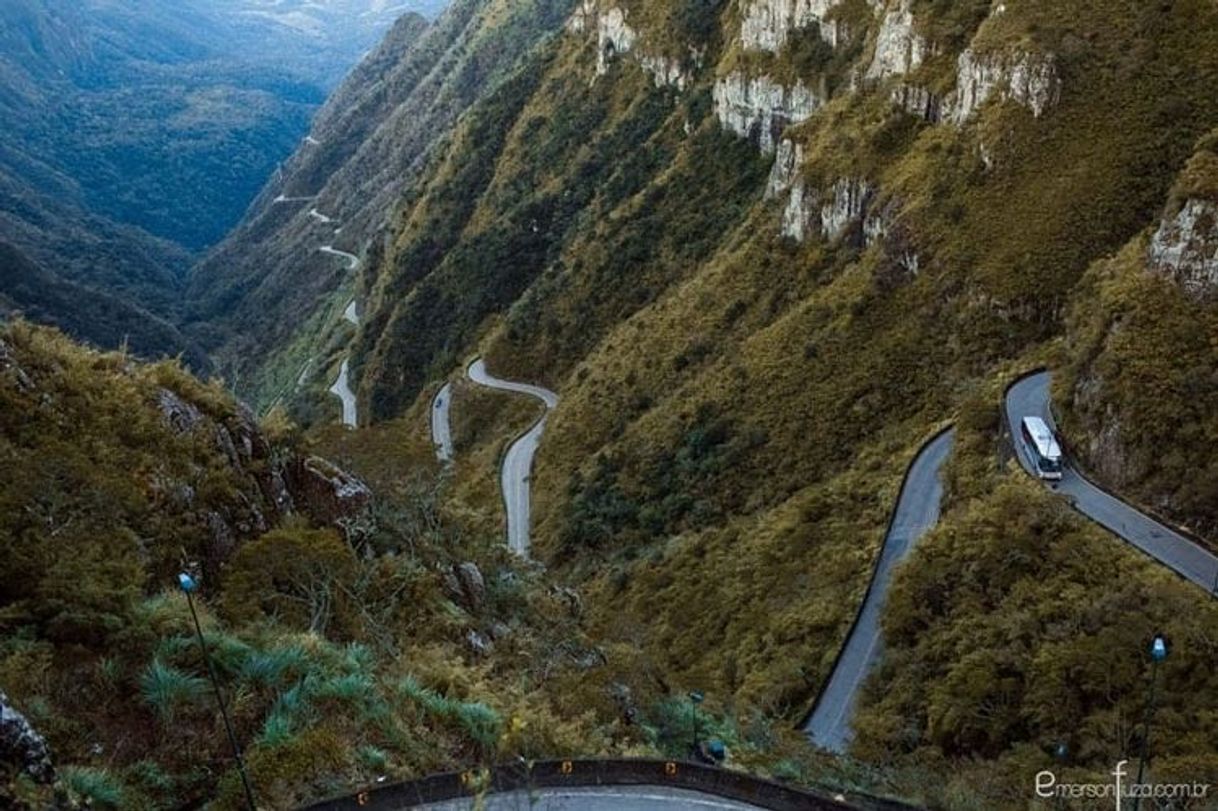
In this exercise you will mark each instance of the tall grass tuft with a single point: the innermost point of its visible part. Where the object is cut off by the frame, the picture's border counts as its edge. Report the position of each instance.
(100, 788)
(277, 730)
(475, 719)
(166, 688)
(273, 667)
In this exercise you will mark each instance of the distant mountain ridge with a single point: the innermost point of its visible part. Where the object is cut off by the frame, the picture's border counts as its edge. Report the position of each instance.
(136, 133)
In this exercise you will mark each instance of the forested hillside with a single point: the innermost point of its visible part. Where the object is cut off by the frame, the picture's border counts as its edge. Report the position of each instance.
(136, 133)
(762, 249)
(264, 301)
(358, 635)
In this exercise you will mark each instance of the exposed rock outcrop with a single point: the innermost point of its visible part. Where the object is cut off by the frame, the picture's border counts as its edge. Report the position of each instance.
(1025, 78)
(845, 207)
(614, 37)
(583, 18)
(10, 368)
(464, 584)
(799, 217)
(178, 414)
(919, 101)
(768, 24)
(898, 48)
(760, 108)
(20, 744)
(788, 160)
(1185, 247)
(327, 494)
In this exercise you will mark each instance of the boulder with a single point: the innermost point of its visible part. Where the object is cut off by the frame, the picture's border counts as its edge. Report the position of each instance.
(20, 744)
(473, 586)
(326, 493)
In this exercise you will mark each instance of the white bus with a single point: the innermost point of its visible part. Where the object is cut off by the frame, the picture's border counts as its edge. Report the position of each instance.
(1043, 447)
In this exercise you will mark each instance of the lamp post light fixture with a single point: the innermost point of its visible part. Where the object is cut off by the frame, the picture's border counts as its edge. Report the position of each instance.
(696, 697)
(1160, 647)
(189, 586)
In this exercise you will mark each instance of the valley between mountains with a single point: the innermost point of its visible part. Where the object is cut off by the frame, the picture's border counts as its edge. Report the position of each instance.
(603, 353)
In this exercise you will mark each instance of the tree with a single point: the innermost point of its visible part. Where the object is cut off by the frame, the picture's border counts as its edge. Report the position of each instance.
(301, 577)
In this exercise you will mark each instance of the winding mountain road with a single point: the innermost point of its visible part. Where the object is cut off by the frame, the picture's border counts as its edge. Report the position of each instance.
(351, 314)
(283, 198)
(352, 259)
(342, 390)
(518, 463)
(917, 510)
(1030, 397)
(321, 218)
(441, 425)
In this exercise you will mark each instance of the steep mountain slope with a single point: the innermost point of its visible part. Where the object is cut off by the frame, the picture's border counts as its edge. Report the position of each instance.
(137, 132)
(1143, 381)
(263, 284)
(763, 248)
(339, 666)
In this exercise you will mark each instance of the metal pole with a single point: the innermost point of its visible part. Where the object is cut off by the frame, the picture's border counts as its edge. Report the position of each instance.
(694, 710)
(228, 726)
(1150, 714)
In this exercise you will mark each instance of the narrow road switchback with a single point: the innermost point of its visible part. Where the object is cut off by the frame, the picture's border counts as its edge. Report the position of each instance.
(441, 426)
(1029, 397)
(829, 724)
(352, 259)
(342, 390)
(518, 463)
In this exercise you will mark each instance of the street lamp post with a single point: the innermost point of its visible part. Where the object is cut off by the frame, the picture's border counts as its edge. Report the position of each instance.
(189, 586)
(1159, 649)
(695, 698)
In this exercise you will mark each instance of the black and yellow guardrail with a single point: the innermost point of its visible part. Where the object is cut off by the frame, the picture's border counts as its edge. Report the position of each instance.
(552, 774)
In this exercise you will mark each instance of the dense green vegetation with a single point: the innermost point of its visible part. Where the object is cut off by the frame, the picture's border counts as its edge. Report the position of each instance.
(737, 407)
(1016, 627)
(136, 134)
(1142, 381)
(396, 644)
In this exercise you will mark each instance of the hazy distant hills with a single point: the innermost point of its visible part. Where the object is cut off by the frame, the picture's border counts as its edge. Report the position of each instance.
(136, 132)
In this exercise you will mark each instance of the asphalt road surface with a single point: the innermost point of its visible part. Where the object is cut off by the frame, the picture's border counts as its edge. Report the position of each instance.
(1030, 397)
(342, 390)
(916, 512)
(352, 259)
(441, 427)
(599, 798)
(518, 463)
(321, 218)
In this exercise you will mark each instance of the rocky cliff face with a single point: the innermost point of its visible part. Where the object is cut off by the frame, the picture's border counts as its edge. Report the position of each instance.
(768, 24)
(1030, 80)
(1185, 247)
(760, 109)
(898, 48)
(615, 38)
(1143, 367)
